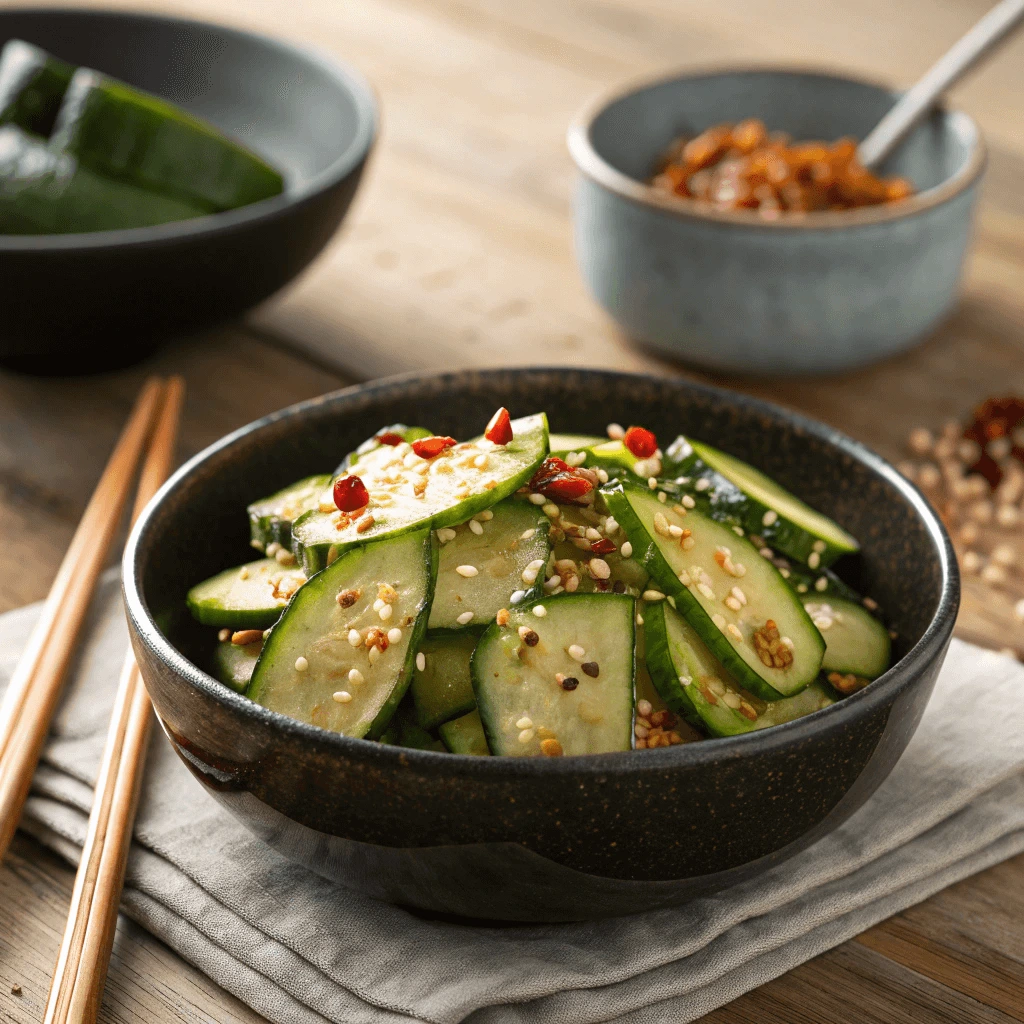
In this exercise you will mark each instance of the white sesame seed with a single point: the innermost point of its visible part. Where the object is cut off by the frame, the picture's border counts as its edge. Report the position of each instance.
(739, 595)
(819, 546)
(661, 524)
(480, 462)
(640, 731)
(786, 640)
(224, 635)
(652, 482)
(706, 590)
(550, 510)
(525, 722)
(675, 531)
(421, 662)
(342, 696)
(687, 543)
(386, 612)
(769, 518)
(765, 552)
(821, 584)
(378, 604)
(616, 431)
(539, 610)
(738, 530)
(526, 735)
(611, 525)
(732, 699)
(373, 654)
(538, 499)
(653, 595)
(484, 517)
(702, 484)
(644, 708)
(718, 620)
(602, 475)
(466, 570)
(731, 602)
(870, 603)
(577, 653)
(686, 680)
(688, 501)
(599, 568)
(464, 618)
(517, 596)
(301, 664)
(626, 550)
(592, 534)
(272, 549)
(527, 535)
(476, 527)
(639, 619)
(662, 497)
(394, 635)
(822, 622)
(284, 557)
(355, 638)
(814, 559)
(551, 583)
(734, 631)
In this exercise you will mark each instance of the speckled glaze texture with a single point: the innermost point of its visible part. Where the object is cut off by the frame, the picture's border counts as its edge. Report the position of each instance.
(121, 292)
(551, 838)
(786, 297)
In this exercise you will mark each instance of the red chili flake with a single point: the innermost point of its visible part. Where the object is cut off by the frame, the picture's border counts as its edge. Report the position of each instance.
(603, 546)
(499, 430)
(566, 487)
(350, 494)
(550, 467)
(428, 447)
(390, 438)
(993, 419)
(641, 443)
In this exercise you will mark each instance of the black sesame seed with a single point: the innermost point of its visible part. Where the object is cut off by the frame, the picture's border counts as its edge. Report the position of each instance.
(570, 683)
(591, 668)
(619, 587)
(531, 639)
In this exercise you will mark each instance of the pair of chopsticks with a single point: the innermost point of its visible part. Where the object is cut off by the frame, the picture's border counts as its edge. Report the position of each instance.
(34, 691)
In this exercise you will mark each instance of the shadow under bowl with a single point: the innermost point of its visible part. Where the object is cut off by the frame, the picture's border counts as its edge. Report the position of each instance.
(731, 291)
(542, 839)
(83, 302)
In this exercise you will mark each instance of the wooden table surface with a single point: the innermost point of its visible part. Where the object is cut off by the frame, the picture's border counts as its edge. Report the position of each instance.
(458, 253)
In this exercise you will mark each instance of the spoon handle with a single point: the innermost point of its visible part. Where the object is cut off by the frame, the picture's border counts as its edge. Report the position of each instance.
(998, 23)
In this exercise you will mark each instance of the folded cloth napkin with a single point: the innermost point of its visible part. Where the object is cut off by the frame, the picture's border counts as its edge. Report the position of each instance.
(300, 949)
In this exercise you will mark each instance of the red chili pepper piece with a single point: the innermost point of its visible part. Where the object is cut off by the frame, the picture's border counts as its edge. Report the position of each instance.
(428, 447)
(350, 494)
(566, 487)
(603, 546)
(390, 439)
(499, 430)
(550, 467)
(641, 442)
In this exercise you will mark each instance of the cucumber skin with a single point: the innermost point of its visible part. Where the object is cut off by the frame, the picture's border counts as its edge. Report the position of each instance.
(725, 502)
(419, 708)
(646, 552)
(222, 618)
(881, 663)
(127, 134)
(315, 557)
(419, 628)
(267, 529)
(32, 86)
(457, 731)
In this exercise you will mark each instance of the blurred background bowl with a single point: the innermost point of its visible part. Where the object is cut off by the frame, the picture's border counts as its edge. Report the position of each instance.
(730, 291)
(75, 303)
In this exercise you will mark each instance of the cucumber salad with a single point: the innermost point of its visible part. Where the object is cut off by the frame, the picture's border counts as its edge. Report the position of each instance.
(535, 594)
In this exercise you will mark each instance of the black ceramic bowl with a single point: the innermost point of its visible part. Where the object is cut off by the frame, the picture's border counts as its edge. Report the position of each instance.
(75, 303)
(547, 838)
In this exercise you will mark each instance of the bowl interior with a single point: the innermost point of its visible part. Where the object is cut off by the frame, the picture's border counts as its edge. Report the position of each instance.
(199, 525)
(302, 113)
(633, 130)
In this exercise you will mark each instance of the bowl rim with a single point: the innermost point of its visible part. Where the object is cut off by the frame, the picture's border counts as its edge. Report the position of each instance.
(594, 166)
(349, 159)
(885, 689)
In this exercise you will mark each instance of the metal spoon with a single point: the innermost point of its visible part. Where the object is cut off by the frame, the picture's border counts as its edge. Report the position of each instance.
(915, 103)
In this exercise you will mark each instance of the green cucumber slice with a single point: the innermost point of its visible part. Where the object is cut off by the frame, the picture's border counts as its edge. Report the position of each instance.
(456, 489)
(270, 519)
(371, 444)
(233, 663)
(700, 585)
(48, 193)
(317, 624)
(123, 133)
(738, 493)
(512, 540)
(516, 682)
(32, 85)
(250, 596)
(443, 688)
(413, 736)
(562, 444)
(628, 576)
(856, 642)
(466, 735)
(694, 684)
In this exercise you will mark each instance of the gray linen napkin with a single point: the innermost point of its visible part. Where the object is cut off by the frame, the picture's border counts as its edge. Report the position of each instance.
(300, 949)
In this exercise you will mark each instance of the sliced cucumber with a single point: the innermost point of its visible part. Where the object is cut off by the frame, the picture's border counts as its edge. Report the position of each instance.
(694, 684)
(738, 494)
(510, 541)
(526, 710)
(233, 663)
(250, 596)
(443, 689)
(569, 530)
(371, 444)
(32, 85)
(415, 737)
(270, 519)
(123, 133)
(407, 492)
(856, 642)
(717, 566)
(339, 603)
(562, 444)
(466, 735)
(612, 455)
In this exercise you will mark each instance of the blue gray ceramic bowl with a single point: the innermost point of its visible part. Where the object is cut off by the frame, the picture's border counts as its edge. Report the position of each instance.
(536, 838)
(730, 291)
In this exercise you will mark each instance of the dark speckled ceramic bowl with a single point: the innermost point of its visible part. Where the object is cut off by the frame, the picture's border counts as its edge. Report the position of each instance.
(552, 838)
(728, 290)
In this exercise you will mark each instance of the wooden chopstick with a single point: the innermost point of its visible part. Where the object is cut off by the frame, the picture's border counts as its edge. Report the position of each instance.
(81, 969)
(32, 694)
